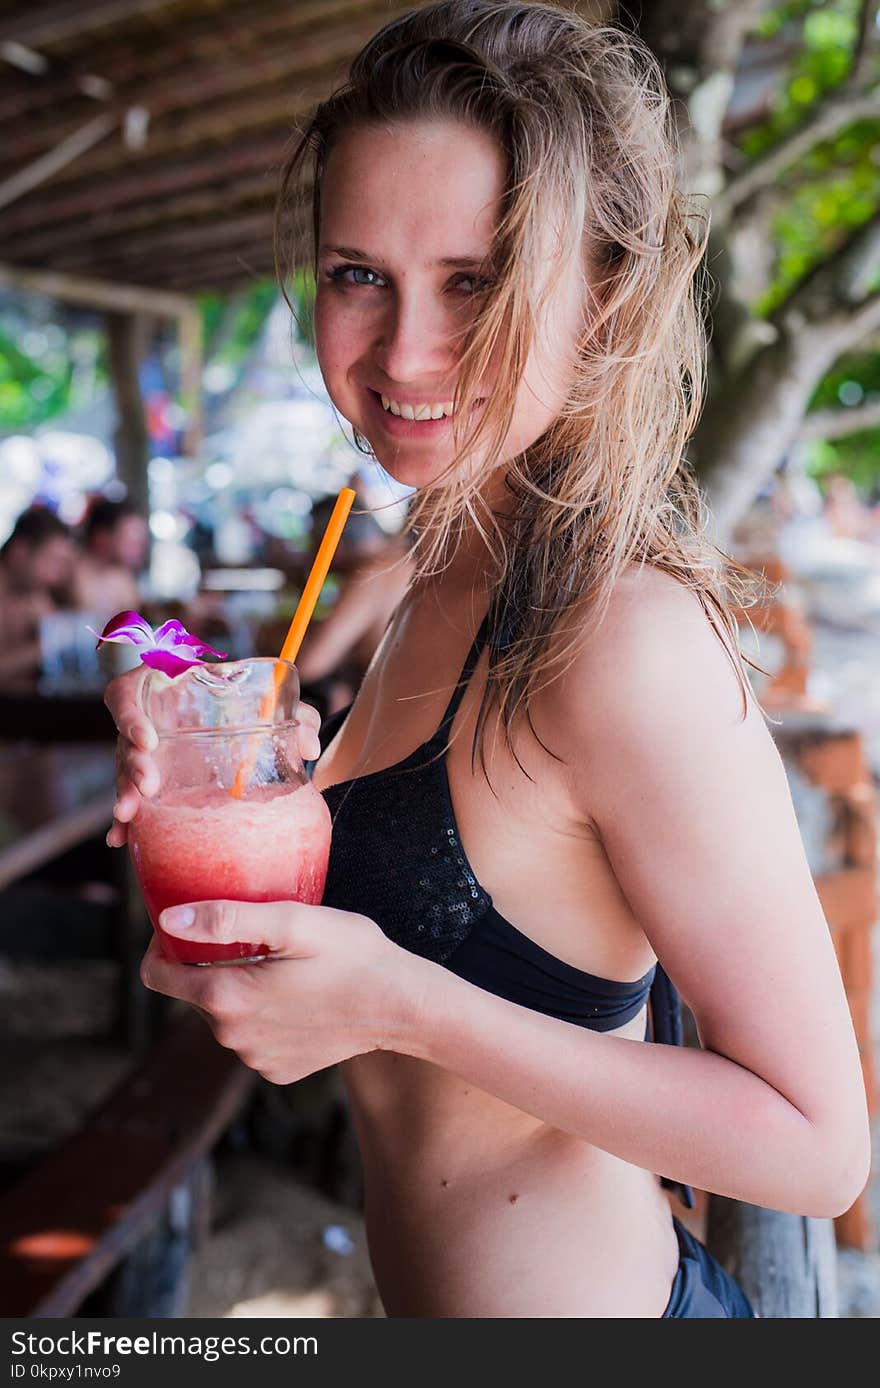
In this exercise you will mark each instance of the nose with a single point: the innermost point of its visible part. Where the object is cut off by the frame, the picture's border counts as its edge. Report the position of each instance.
(415, 341)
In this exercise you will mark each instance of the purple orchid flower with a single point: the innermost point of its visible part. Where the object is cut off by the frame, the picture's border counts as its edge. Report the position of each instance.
(170, 648)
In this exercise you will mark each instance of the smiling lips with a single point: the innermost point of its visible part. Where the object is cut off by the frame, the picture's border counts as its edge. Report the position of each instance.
(423, 412)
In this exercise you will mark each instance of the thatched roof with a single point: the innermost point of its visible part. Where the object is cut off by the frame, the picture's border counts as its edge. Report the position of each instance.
(143, 138)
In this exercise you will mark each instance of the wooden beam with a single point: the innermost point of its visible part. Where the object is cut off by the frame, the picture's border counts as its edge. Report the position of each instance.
(194, 40)
(199, 237)
(152, 180)
(187, 273)
(204, 86)
(187, 270)
(41, 26)
(211, 276)
(93, 293)
(64, 153)
(152, 252)
(179, 254)
(272, 111)
(224, 198)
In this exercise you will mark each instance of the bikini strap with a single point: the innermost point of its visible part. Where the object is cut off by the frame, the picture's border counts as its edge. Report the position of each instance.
(473, 655)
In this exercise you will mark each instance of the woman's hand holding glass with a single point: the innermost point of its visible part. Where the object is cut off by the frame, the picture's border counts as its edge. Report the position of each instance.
(334, 986)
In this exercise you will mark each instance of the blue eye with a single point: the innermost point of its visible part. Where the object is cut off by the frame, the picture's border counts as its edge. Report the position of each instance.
(478, 284)
(362, 277)
(339, 273)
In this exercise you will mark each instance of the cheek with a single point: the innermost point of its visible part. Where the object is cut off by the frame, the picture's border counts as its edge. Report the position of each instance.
(552, 365)
(335, 335)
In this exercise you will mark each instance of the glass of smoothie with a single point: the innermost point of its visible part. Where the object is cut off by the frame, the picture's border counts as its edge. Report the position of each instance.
(236, 817)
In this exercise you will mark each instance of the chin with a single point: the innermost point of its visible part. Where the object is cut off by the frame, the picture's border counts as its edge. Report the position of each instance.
(411, 470)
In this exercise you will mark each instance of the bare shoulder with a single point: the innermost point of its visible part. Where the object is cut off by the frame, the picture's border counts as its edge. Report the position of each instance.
(653, 679)
(657, 639)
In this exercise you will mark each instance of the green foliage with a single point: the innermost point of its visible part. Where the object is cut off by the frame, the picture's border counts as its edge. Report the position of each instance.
(821, 63)
(835, 189)
(40, 375)
(857, 457)
(778, 16)
(232, 326)
(818, 218)
(854, 379)
(823, 200)
(861, 367)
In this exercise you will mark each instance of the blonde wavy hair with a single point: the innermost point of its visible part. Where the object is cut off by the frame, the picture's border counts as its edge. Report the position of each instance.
(583, 117)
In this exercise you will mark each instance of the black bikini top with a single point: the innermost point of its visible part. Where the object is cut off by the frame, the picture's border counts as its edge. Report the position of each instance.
(396, 856)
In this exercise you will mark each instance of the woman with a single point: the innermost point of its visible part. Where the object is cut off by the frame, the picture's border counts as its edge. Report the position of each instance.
(527, 820)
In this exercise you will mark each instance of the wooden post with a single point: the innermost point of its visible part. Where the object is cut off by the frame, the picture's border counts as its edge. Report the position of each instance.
(128, 337)
(786, 1264)
(191, 360)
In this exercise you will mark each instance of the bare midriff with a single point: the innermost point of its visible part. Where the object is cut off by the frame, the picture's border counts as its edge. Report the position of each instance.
(475, 1209)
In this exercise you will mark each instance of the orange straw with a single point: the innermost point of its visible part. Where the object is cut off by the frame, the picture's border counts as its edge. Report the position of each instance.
(315, 581)
(302, 616)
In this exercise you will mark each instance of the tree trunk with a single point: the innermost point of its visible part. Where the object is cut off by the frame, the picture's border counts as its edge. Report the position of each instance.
(752, 420)
(786, 1264)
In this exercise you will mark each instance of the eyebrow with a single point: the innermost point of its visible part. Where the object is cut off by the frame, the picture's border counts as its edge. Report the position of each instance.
(447, 262)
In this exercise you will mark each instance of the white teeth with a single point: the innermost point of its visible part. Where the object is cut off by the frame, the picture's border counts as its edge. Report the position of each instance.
(416, 412)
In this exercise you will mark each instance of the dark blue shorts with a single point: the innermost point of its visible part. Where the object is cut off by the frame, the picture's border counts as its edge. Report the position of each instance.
(701, 1288)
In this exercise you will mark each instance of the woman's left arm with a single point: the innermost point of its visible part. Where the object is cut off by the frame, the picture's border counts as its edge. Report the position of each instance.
(692, 805)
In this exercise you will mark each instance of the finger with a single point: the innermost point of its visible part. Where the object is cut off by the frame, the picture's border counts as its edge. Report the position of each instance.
(133, 767)
(128, 802)
(175, 980)
(308, 740)
(140, 770)
(309, 744)
(122, 697)
(308, 715)
(283, 928)
(117, 835)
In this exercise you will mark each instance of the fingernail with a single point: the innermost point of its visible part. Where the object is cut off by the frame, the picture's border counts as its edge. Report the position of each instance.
(178, 917)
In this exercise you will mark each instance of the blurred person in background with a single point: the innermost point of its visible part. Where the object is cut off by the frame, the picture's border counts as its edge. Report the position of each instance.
(845, 512)
(116, 541)
(337, 651)
(36, 563)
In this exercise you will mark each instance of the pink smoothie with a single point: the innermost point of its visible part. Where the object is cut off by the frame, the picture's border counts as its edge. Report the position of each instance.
(204, 845)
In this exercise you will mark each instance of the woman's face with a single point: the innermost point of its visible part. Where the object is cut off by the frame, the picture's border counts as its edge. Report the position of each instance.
(408, 215)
